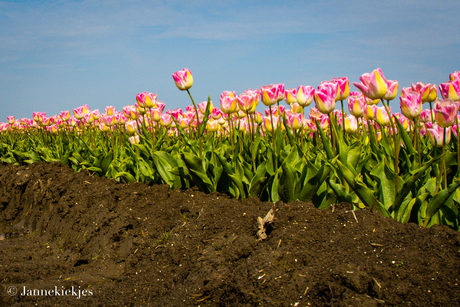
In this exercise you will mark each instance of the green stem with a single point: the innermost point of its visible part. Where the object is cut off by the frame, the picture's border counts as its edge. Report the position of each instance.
(273, 140)
(396, 146)
(198, 124)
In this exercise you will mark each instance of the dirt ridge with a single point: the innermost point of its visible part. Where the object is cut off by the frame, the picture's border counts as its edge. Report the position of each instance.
(138, 244)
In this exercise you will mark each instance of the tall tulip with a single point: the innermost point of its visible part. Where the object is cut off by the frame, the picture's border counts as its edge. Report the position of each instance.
(373, 85)
(183, 79)
(269, 94)
(455, 76)
(344, 87)
(381, 116)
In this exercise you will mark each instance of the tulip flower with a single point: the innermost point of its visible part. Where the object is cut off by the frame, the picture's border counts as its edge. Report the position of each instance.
(455, 76)
(436, 135)
(392, 90)
(344, 87)
(81, 111)
(357, 104)
(183, 79)
(381, 116)
(324, 122)
(426, 116)
(146, 99)
(110, 110)
(228, 102)
(280, 93)
(445, 111)
(134, 139)
(165, 120)
(245, 102)
(351, 124)
(65, 115)
(269, 94)
(315, 114)
(268, 125)
(10, 119)
(450, 89)
(212, 125)
(296, 108)
(290, 95)
(305, 95)
(370, 111)
(411, 105)
(295, 120)
(89, 118)
(325, 97)
(373, 85)
(131, 126)
(156, 114)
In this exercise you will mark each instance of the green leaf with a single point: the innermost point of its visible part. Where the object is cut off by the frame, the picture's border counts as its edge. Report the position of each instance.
(410, 182)
(258, 181)
(127, 176)
(287, 183)
(106, 162)
(387, 178)
(363, 192)
(406, 139)
(164, 162)
(440, 199)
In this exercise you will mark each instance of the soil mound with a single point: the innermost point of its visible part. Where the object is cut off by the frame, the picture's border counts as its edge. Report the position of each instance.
(72, 239)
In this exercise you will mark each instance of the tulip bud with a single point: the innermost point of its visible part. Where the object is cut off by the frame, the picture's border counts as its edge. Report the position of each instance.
(305, 95)
(183, 79)
(373, 85)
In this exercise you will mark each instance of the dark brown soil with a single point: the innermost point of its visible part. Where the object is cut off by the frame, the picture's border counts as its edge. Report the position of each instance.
(135, 244)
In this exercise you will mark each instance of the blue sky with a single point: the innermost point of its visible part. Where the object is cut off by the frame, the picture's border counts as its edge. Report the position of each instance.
(58, 55)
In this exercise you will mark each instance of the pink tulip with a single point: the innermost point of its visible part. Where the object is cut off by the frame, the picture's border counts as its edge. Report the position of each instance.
(146, 99)
(131, 126)
(245, 102)
(176, 113)
(392, 90)
(305, 95)
(183, 79)
(65, 115)
(269, 94)
(216, 113)
(295, 120)
(370, 111)
(351, 124)
(280, 93)
(450, 89)
(344, 87)
(325, 97)
(423, 89)
(274, 110)
(96, 114)
(134, 139)
(290, 95)
(89, 118)
(436, 135)
(81, 111)
(110, 110)
(165, 120)
(411, 105)
(315, 114)
(455, 76)
(202, 107)
(267, 124)
(296, 108)
(228, 102)
(426, 116)
(381, 116)
(373, 85)
(10, 119)
(156, 114)
(324, 122)
(310, 125)
(212, 125)
(445, 111)
(357, 104)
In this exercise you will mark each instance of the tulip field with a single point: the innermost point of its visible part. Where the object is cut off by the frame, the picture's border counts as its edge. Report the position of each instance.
(351, 147)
